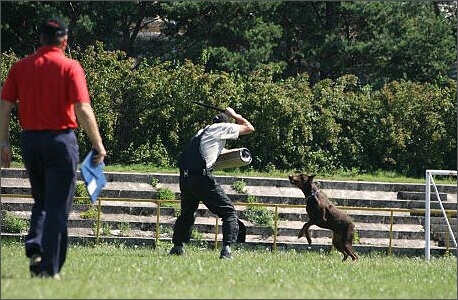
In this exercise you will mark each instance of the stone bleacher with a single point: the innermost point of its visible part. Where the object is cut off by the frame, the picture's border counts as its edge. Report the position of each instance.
(129, 214)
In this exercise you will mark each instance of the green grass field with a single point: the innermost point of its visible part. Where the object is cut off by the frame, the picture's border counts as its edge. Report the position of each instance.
(118, 271)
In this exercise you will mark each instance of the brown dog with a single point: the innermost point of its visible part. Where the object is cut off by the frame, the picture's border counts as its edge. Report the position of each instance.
(324, 214)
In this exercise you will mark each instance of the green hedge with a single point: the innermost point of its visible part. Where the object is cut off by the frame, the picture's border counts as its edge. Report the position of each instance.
(146, 116)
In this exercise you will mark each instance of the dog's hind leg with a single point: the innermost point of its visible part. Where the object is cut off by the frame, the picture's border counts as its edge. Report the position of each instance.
(353, 255)
(349, 242)
(339, 244)
(350, 252)
(347, 253)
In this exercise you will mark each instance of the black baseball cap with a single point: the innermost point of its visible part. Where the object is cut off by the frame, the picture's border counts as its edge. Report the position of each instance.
(54, 26)
(221, 118)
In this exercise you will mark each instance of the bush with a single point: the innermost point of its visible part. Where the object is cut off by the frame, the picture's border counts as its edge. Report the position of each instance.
(81, 194)
(91, 213)
(124, 229)
(13, 224)
(239, 186)
(332, 126)
(154, 181)
(168, 194)
(165, 194)
(259, 215)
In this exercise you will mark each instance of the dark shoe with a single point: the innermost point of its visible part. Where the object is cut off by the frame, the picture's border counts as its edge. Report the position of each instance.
(45, 274)
(34, 265)
(226, 253)
(177, 250)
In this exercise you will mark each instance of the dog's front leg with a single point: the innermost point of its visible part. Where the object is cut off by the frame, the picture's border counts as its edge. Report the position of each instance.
(305, 231)
(324, 214)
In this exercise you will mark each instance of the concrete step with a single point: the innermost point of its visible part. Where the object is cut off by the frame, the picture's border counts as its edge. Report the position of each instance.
(128, 204)
(284, 213)
(405, 195)
(297, 213)
(116, 179)
(291, 196)
(207, 224)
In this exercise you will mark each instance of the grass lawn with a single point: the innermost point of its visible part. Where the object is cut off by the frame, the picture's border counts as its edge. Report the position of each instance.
(109, 271)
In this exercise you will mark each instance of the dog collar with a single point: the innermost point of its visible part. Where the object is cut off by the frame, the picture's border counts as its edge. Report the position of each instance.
(313, 194)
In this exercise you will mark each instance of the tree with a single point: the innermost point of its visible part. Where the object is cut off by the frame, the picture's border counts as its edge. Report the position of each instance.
(378, 41)
(389, 41)
(228, 36)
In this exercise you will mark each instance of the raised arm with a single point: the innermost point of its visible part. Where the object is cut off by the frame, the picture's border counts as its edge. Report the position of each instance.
(245, 126)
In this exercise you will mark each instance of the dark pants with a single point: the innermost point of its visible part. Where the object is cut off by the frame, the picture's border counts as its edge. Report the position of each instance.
(194, 189)
(51, 160)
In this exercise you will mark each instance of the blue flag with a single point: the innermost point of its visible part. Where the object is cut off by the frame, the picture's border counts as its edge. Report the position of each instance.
(93, 176)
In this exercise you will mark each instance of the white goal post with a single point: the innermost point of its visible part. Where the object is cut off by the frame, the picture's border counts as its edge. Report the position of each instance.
(429, 181)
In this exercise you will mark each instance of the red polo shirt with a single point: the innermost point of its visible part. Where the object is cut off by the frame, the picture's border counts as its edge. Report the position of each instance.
(45, 85)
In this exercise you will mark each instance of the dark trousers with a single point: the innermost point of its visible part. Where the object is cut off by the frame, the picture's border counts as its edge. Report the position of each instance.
(196, 188)
(51, 160)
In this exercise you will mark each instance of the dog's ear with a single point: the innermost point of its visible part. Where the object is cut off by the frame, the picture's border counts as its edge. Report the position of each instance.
(307, 178)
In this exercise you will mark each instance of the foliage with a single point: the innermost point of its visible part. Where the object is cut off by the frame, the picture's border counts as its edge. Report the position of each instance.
(165, 194)
(19, 24)
(356, 237)
(106, 78)
(393, 43)
(7, 59)
(421, 127)
(13, 224)
(239, 186)
(154, 181)
(196, 235)
(105, 229)
(124, 229)
(177, 211)
(81, 194)
(331, 127)
(368, 111)
(258, 214)
(378, 41)
(90, 213)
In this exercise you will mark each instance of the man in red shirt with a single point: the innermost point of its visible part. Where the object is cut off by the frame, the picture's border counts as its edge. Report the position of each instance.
(51, 93)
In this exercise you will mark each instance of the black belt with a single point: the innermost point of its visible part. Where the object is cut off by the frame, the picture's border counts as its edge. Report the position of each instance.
(59, 131)
(198, 172)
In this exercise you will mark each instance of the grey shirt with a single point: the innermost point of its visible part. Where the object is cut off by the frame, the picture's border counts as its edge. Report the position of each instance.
(214, 139)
